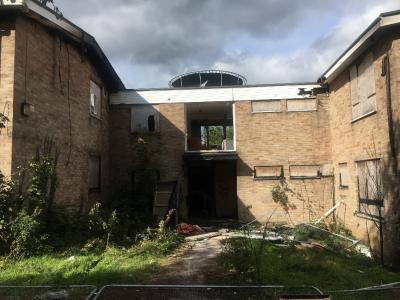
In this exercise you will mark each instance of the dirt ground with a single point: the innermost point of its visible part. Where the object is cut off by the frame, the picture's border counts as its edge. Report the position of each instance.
(193, 264)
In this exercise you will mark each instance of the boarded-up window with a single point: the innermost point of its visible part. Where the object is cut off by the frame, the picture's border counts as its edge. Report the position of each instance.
(343, 175)
(362, 87)
(369, 180)
(268, 172)
(305, 171)
(95, 100)
(144, 118)
(266, 106)
(301, 105)
(94, 172)
(370, 191)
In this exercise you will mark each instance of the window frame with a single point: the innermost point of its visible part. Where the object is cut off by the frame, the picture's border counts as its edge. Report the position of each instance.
(367, 201)
(302, 110)
(98, 186)
(318, 176)
(266, 111)
(358, 101)
(281, 176)
(156, 120)
(341, 185)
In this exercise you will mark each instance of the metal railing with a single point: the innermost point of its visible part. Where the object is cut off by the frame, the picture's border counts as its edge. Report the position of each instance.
(203, 292)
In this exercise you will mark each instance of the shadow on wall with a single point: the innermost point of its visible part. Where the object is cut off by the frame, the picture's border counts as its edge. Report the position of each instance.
(304, 200)
(391, 186)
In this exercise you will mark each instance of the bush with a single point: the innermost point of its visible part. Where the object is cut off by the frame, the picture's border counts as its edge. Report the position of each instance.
(101, 225)
(160, 240)
(26, 234)
(26, 203)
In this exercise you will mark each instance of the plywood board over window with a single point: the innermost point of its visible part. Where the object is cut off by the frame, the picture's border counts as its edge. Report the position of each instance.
(266, 106)
(301, 105)
(304, 171)
(268, 172)
(94, 172)
(362, 87)
(95, 100)
(343, 175)
(144, 118)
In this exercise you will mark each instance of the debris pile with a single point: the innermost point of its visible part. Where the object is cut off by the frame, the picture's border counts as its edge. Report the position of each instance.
(189, 229)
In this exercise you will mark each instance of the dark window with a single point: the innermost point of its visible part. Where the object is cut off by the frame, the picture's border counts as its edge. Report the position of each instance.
(151, 123)
(94, 173)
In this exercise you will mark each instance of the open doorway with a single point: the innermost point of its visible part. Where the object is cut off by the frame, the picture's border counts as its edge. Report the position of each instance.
(212, 189)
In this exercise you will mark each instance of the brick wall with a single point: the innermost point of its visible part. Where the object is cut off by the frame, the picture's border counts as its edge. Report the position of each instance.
(51, 74)
(162, 150)
(7, 49)
(282, 138)
(364, 139)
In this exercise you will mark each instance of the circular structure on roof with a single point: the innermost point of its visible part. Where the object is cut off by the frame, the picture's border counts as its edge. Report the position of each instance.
(207, 78)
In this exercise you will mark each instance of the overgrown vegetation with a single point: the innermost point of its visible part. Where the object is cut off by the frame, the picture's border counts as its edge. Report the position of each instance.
(3, 120)
(26, 203)
(291, 265)
(39, 244)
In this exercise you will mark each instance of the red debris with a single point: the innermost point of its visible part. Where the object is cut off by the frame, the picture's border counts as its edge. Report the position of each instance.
(189, 229)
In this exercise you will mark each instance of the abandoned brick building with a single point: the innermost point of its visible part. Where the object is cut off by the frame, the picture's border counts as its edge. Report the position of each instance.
(220, 144)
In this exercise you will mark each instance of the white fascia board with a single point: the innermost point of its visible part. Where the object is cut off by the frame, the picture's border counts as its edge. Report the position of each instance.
(178, 95)
(44, 12)
(362, 43)
(60, 22)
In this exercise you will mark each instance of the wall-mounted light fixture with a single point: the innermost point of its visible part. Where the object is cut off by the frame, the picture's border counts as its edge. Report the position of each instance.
(27, 109)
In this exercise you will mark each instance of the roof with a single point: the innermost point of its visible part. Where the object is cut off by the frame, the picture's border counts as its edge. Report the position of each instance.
(382, 24)
(213, 94)
(50, 18)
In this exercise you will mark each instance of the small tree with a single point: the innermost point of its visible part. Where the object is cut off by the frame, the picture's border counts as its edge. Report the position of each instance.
(3, 120)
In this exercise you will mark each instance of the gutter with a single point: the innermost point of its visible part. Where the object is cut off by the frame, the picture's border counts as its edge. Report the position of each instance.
(363, 41)
(67, 27)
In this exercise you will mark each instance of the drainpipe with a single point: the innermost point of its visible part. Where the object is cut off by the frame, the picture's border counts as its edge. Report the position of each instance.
(386, 73)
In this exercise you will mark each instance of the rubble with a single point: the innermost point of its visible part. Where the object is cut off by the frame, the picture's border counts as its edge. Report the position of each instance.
(189, 229)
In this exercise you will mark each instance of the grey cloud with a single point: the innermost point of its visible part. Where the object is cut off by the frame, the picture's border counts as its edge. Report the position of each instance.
(168, 37)
(181, 32)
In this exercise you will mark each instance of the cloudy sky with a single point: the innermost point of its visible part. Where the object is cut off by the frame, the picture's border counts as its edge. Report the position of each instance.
(267, 41)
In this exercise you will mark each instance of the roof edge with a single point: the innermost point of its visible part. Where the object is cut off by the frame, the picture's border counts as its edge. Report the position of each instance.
(362, 41)
(66, 26)
(226, 86)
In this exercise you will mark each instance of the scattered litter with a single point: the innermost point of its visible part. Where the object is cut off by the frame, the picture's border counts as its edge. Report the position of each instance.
(268, 236)
(189, 229)
(364, 250)
(329, 212)
(310, 244)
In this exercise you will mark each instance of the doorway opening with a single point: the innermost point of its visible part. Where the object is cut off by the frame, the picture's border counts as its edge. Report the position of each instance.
(212, 189)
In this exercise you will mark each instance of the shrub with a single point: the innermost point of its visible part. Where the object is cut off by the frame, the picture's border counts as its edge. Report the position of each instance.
(27, 235)
(26, 203)
(101, 224)
(160, 240)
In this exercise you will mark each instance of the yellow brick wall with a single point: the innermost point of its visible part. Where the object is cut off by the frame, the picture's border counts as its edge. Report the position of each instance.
(284, 138)
(42, 73)
(364, 139)
(7, 51)
(164, 149)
